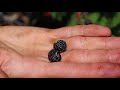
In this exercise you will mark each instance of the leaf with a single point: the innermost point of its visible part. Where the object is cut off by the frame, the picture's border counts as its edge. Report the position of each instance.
(103, 21)
(54, 15)
(72, 21)
(60, 15)
(94, 17)
(115, 20)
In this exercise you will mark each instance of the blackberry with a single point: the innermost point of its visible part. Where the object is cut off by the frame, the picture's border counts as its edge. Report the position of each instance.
(54, 56)
(60, 46)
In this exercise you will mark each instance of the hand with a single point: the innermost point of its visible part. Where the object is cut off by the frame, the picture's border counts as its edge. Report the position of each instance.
(23, 52)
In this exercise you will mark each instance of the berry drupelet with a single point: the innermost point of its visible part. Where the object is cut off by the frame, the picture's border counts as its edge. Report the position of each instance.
(54, 56)
(60, 46)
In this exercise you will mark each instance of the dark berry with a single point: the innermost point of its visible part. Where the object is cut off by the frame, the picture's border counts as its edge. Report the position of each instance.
(60, 46)
(54, 56)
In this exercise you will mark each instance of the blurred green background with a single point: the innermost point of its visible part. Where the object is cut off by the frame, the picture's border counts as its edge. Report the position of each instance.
(61, 19)
(110, 19)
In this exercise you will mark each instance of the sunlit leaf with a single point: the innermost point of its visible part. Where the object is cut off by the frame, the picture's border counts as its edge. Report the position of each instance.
(94, 17)
(103, 21)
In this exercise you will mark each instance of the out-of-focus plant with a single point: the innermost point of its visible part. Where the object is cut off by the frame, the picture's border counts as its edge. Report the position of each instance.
(58, 15)
(109, 19)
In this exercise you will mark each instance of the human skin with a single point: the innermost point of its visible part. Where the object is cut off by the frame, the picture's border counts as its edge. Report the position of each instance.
(91, 52)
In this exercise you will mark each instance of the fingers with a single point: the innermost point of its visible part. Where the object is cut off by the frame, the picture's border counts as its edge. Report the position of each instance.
(83, 30)
(37, 68)
(78, 42)
(3, 74)
(93, 70)
(92, 56)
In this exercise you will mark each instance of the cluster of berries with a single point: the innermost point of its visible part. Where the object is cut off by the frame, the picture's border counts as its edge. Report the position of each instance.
(58, 47)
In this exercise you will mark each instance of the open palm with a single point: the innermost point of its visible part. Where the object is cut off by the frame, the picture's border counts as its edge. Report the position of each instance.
(24, 52)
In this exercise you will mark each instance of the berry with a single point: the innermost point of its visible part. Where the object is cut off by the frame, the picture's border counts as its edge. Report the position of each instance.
(60, 46)
(78, 14)
(54, 56)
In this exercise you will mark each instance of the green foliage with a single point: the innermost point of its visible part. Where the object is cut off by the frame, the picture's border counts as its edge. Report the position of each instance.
(94, 17)
(113, 22)
(103, 21)
(58, 15)
(54, 15)
(72, 21)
